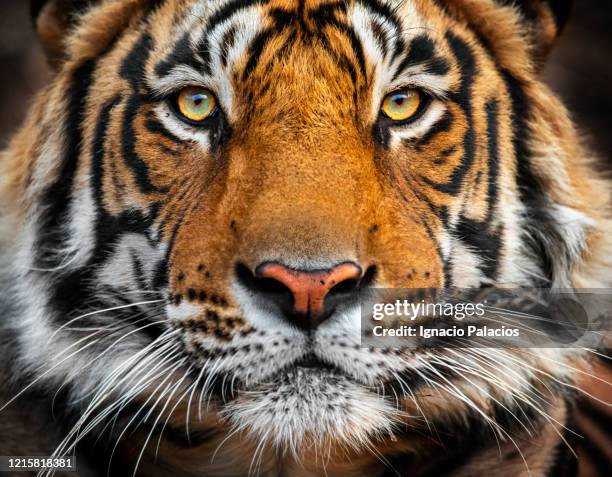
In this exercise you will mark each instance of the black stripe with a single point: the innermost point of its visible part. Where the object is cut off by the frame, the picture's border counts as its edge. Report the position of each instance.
(597, 458)
(220, 16)
(160, 275)
(560, 10)
(444, 155)
(133, 65)
(344, 63)
(565, 463)
(139, 168)
(162, 269)
(380, 35)
(423, 52)
(457, 443)
(154, 126)
(98, 153)
(133, 70)
(442, 125)
(478, 237)
(437, 210)
(531, 193)
(80, 6)
(325, 15)
(56, 199)
(282, 20)
(181, 54)
(204, 51)
(491, 109)
(74, 288)
(530, 188)
(357, 48)
(138, 269)
(227, 42)
(255, 50)
(230, 9)
(384, 11)
(463, 97)
(598, 416)
(448, 277)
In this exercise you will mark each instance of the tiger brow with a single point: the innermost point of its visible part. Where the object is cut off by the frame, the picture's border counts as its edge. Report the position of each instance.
(422, 52)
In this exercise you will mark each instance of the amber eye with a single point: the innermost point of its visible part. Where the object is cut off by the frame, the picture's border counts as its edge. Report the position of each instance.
(402, 105)
(195, 104)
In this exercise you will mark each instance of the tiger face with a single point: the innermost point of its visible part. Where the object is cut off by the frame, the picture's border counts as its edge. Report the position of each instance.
(205, 187)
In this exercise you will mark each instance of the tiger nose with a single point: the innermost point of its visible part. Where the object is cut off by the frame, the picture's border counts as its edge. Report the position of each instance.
(309, 289)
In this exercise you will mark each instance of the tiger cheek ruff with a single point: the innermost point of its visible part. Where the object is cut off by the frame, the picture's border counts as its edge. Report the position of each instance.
(204, 189)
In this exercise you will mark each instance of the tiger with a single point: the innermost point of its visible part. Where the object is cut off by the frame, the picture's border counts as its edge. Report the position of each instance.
(202, 190)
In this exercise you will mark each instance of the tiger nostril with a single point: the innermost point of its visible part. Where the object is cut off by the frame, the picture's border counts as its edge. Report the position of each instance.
(263, 285)
(345, 286)
(306, 297)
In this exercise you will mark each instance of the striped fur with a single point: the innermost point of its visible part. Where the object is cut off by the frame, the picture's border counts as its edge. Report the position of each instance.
(122, 228)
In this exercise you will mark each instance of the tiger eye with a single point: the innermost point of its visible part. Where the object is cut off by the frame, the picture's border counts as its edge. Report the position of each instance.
(196, 104)
(401, 105)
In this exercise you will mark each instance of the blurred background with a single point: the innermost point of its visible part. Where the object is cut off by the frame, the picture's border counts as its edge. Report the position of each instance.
(580, 69)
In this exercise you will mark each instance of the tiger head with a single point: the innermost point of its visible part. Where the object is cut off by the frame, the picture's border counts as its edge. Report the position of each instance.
(203, 188)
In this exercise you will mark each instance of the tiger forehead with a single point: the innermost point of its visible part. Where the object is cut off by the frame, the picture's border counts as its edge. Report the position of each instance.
(238, 39)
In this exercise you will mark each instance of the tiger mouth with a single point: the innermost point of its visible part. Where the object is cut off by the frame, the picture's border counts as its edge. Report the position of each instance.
(312, 365)
(311, 361)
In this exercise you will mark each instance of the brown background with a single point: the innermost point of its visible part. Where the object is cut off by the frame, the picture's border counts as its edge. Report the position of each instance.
(580, 69)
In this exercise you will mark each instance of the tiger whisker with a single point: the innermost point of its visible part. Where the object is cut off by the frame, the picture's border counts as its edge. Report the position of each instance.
(97, 312)
(111, 383)
(188, 412)
(116, 342)
(544, 414)
(454, 366)
(146, 442)
(98, 399)
(140, 386)
(178, 402)
(476, 408)
(66, 445)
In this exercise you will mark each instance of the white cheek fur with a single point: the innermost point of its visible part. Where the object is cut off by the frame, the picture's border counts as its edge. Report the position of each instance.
(417, 129)
(184, 132)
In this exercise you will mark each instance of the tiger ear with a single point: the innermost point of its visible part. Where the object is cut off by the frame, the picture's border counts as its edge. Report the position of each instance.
(544, 21)
(54, 20)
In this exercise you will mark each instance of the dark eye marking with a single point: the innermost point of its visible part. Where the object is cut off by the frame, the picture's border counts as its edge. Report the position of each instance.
(443, 125)
(380, 35)
(462, 97)
(181, 53)
(229, 38)
(422, 51)
(133, 70)
(155, 127)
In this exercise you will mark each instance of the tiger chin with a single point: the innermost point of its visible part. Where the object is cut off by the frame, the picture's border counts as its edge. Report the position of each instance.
(203, 187)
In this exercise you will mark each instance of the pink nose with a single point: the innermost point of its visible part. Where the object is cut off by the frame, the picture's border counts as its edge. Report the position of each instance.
(310, 288)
